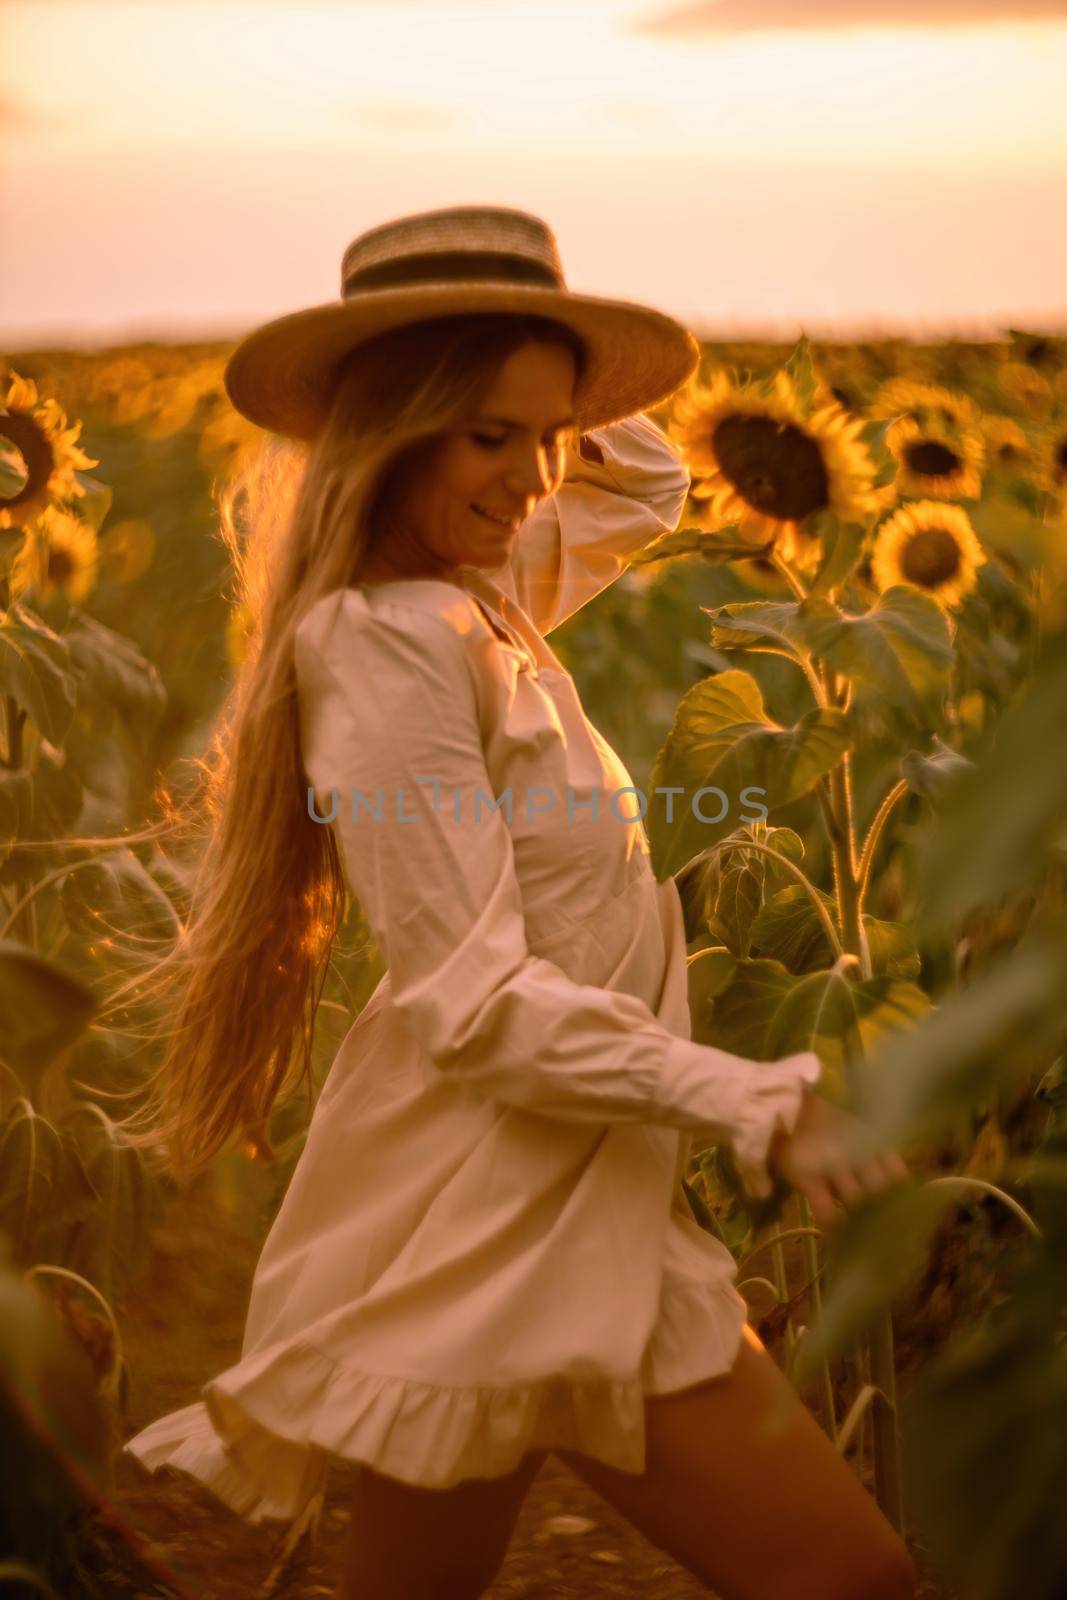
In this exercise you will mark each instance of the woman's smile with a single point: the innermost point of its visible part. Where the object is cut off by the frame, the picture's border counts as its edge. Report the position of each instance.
(502, 522)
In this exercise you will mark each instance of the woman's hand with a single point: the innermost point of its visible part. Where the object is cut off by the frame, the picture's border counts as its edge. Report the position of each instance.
(811, 1159)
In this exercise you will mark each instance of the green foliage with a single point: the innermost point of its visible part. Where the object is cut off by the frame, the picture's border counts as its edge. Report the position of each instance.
(817, 700)
(722, 738)
(43, 1009)
(35, 672)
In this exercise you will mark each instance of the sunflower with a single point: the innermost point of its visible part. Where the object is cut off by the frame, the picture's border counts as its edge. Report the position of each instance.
(1050, 472)
(936, 460)
(1025, 389)
(58, 554)
(38, 428)
(761, 459)
(127, 549)
(924, 402)
(1005, 441)
(931, 546)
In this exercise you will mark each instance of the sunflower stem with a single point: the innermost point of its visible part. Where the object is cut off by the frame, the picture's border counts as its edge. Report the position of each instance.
(810, 1247)
(781, 565)
(781, 1283)
(874, 833)
(885, 1422)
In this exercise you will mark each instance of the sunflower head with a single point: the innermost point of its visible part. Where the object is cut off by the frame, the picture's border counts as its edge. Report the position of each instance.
(931, 546)
(937, 460)
(59, 554)
(1057, 455)
(924, 403)
(1007, 446)
(1025, 389)
(1046, 351)
(771, 457)
(38, 429)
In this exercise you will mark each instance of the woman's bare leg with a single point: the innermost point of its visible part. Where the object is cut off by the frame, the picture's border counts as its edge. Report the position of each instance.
(410, 1543)
(754, 1514)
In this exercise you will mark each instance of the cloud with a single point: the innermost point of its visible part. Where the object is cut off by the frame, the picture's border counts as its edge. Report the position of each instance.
(757, 16)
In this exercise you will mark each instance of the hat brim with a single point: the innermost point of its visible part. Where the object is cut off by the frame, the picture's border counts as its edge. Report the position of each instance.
(279, 375)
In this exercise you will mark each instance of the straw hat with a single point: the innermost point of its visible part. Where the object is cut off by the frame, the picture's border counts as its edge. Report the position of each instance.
(458, 259)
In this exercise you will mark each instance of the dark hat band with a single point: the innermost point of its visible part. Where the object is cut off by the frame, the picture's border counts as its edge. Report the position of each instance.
(450, 266)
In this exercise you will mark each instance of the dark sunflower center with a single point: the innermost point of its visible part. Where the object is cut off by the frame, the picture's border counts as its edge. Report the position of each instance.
(776, 467)
(37, 454)
(60, 566)
(930, 557)
(1061, 454)
(932, 459)
(1007, 452)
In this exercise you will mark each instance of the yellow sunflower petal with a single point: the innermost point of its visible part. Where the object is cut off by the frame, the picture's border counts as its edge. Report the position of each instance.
(934, 460)
(765, 462)
(931, 546)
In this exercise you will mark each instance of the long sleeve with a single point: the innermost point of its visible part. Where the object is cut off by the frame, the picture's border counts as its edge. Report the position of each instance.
(390, 728)
(581, 538)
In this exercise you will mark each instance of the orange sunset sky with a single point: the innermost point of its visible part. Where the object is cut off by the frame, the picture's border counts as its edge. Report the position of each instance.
(187, 168)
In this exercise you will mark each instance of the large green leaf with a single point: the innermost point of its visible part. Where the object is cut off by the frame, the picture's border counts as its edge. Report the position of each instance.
(771, 626)
(35, 670)
(737, 903)
(841, 1015)
(742, 1010)
(789, 929)
(724, 544)
(901, 647)
(697, 884)
(31, 1159)
(975, 1043)
(723, 739)
(43, 1009)
(985, 1452)
(115, 1243)
(892, 948)
(110, 668)
(117, 893)
(57, 1408)
(767, 1012)
(16, 806)
(994, 829)
(55, 802)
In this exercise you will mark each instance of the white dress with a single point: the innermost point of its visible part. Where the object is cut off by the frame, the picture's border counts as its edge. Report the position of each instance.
(485, 1247)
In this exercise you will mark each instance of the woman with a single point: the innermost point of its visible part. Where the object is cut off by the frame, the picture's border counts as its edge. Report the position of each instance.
(485, 1251)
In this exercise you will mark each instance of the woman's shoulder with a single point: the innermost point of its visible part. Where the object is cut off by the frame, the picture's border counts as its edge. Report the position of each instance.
(396, 603)
(401, 619)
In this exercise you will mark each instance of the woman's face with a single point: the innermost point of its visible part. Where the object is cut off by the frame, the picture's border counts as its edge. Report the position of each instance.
(506, 457)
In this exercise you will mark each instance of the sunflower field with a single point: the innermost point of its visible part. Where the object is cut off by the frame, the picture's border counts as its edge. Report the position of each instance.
(861, 616)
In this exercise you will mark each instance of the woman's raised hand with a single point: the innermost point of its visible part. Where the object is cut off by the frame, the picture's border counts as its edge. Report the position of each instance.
(812, 1159)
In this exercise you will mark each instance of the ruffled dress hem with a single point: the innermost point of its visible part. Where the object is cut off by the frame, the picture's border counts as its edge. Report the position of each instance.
(265, 1433)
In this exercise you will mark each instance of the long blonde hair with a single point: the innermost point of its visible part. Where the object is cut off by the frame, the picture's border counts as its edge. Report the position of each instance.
(242, 982)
